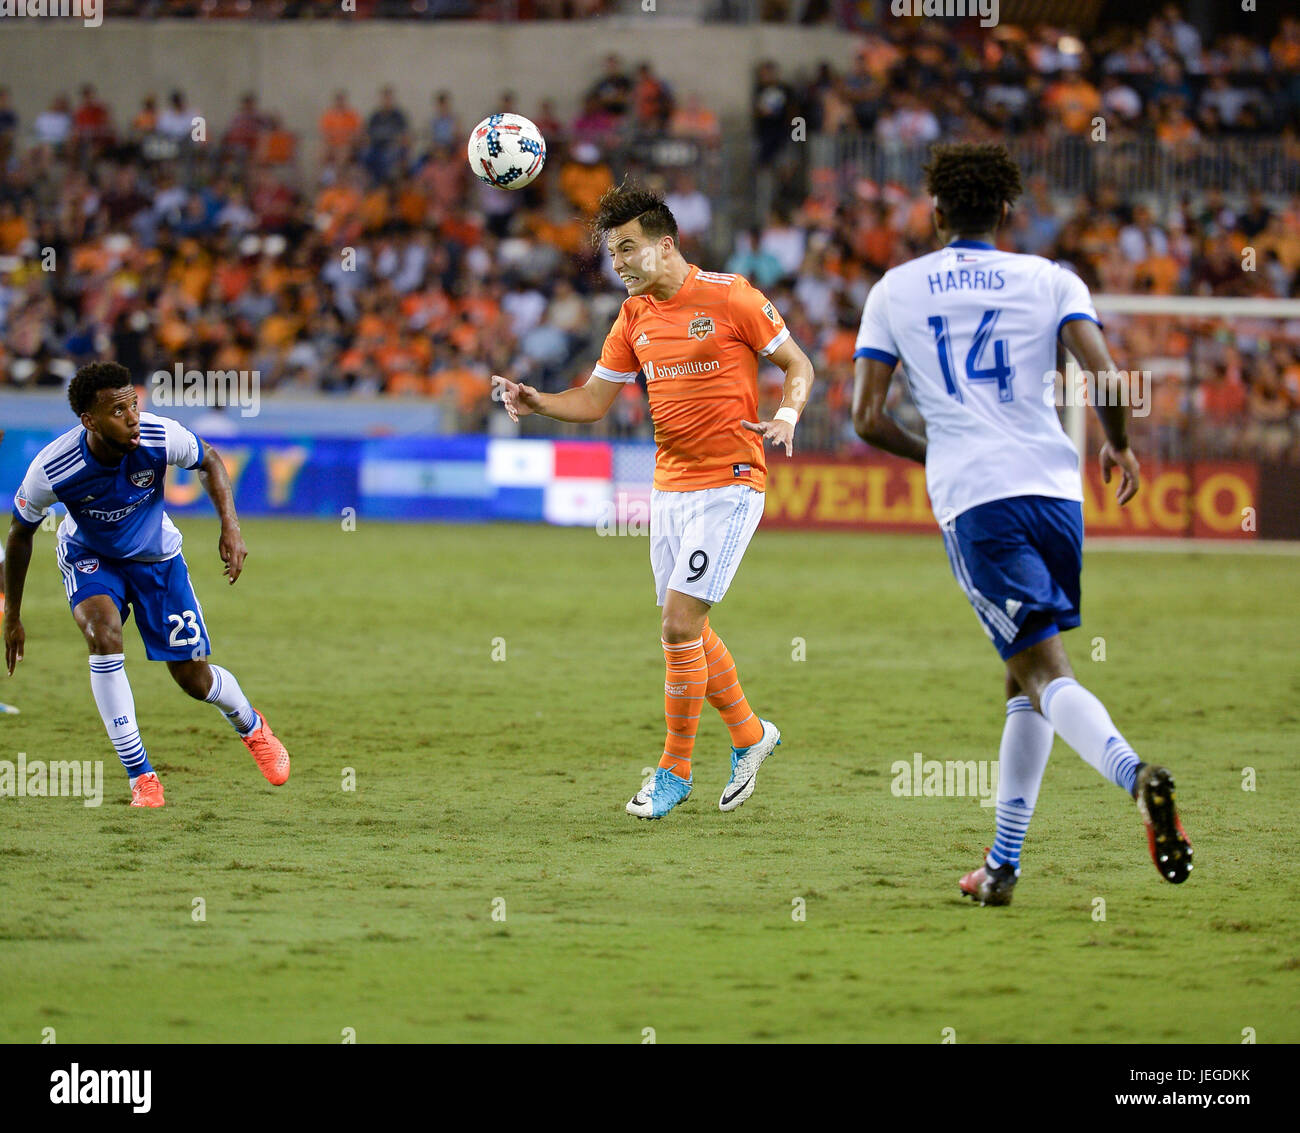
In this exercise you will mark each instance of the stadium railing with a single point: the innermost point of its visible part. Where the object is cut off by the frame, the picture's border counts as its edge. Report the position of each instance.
(1136, 165)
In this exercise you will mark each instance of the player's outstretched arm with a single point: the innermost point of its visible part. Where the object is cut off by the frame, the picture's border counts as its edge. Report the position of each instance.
(216, 482)
(872, 423)
(798, 386)
(1083, 339)
(582, 404)
(18, 554)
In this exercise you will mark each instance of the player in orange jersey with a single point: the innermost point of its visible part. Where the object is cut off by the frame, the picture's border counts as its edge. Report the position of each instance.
(697, 336)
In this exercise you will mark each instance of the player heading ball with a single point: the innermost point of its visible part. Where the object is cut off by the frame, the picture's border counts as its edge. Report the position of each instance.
(118, 550)
(697, 336)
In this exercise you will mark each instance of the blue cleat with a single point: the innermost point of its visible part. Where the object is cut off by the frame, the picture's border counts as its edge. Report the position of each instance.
(745, 763)
(665, 791)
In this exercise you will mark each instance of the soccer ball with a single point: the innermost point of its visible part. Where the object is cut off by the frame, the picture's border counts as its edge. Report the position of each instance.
(507, 151)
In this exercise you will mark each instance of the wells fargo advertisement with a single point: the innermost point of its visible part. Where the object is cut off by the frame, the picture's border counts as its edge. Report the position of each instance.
(876, 492)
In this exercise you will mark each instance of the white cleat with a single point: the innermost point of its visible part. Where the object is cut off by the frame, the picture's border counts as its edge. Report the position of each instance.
(745, 763)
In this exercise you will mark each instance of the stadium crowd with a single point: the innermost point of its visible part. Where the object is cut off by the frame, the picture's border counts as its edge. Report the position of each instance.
(385, 268)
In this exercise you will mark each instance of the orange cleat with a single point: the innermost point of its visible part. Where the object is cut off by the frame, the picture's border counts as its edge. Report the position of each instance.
(147, 790)
(269, 753)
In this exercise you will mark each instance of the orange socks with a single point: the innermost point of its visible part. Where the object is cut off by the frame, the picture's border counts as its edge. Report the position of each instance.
(725, 694)
(684, 687)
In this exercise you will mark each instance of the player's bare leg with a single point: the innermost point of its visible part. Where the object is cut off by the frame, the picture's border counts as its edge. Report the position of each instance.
(215, 685)
(101, 625)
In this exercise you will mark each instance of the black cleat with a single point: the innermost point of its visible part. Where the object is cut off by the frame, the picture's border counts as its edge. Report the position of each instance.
(1171, 850)
(989, 886)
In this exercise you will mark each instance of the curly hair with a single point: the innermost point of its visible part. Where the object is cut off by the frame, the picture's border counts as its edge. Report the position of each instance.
(90, 379)
(971, 183)
(626, 203)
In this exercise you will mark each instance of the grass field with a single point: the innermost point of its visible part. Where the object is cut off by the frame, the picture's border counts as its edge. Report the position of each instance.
(479, 779)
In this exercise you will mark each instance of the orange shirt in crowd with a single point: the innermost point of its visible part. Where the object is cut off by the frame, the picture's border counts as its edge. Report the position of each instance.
(699, 351)
(1075, 103)
(340, 128)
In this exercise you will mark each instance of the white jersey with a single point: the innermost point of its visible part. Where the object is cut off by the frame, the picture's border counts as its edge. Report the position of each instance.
(976, 331)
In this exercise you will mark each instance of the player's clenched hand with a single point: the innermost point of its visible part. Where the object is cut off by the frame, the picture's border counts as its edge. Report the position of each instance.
(519, 399)
(15, 637)
(778, 432)
(233, 552)
(1127, 464)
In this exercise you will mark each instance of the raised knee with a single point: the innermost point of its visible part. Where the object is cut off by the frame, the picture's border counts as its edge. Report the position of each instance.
(104, 639)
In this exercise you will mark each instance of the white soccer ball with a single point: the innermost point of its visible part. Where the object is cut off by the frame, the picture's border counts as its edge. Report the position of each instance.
(507, 151)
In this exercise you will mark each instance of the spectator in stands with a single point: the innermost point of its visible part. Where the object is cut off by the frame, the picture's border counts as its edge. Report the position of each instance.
(387, 137)
(652, 100)
(145, 121)
(1269, 409)
(585, 178)
(8, 126)
(340, 128)
(445, 128)
(244, 134)
(53, 126)
(690, 208)
(595, 125)
(548, 122)
(176, 120)
(1073, 102)
(692, 119)
(612, 92)
(773, 109)
(91, 126)
(784, 242)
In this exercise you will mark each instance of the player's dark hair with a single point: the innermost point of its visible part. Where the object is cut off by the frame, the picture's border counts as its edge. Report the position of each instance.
(626, 203)
(971, 183)
(90, 379)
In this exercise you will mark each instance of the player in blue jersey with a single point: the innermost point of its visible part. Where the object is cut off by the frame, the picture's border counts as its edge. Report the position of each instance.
(118, 551)
(976, 330)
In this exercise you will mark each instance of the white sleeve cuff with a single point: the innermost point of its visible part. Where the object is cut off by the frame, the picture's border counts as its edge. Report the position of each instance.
(777, 339)
(608, 375)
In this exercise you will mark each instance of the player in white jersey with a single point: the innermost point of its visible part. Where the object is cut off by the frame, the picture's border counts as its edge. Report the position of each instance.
(119, 553)
(976, 330)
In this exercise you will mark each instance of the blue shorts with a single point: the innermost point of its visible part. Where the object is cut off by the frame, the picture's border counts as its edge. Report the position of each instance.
(1018, 560)
(166, 607)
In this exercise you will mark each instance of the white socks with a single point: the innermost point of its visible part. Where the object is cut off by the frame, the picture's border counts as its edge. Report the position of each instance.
(1022, 759)
(226, 694)
(1081, 720)
(117, 709)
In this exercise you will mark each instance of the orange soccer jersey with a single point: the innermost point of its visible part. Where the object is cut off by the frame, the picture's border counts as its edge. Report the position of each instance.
(699, 351)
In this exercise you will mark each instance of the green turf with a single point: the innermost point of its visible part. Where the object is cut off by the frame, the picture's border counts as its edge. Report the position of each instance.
(479, 779)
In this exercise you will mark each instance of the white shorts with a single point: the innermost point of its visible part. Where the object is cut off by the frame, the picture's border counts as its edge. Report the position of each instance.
(697, 539)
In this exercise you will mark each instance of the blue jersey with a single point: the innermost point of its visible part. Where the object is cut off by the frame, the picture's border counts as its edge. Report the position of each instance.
(115, 510)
